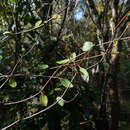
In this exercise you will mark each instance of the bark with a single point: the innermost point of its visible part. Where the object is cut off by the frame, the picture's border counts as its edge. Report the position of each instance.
(113, 92)
(114, 65)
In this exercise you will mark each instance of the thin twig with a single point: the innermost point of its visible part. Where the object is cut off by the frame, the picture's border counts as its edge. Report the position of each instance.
(31, 97)
(52, 105)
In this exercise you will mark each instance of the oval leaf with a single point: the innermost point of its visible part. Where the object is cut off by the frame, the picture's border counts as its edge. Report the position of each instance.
(12, 83)
(56, 18)
(1, 57)
(44, 99)
(115, 52)
(115, 42)
(51, 92)
(43, 66)
(25, 69)
(73, 57)
(67, 36)
(87, 46)
(66, 83)
(7, 32)
(60, 101)
(57, 89)
(53, 38)
(38, 23)
(85, 73)
(62, 61)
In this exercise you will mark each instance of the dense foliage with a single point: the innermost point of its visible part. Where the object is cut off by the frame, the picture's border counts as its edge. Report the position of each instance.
(63, 64)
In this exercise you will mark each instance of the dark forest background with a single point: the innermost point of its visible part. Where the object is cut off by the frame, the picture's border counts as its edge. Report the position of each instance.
(64, 64)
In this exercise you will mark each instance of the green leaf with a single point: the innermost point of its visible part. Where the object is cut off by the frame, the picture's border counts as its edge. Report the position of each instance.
(6, 99)
(43, 66)
(87, 46)
(60, 101)
(106, 66)
(57, 89)
(115, 52)
(73, 57)
(12, 0)
(1, 57)
(44, 99)
(66, 83)
(67, 36)
(25, 69)
(115, 42)
(18, 115)
(37, 24)
(23, 49)
(56, 17)
(62, 61)
(51, 92)
(45, 22)
(85, 73)
(7, 32)
(123, 123)
(53, 38)
(12, 83)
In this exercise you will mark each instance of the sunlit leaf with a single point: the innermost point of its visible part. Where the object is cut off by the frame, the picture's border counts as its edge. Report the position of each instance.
(53, 38)
(1, 57)
(43, 66)
(115, 52)
(37, 24)
(12, 0)
(45, 21)
(62, 61)
(44, 99)
(12, 83)
(6, 99)
(67, 36)
(60, 101)
(115, 42)
(66, 83)
(56, 18)
(7, 32)
(18, 115)
(106, 66)
(57, 89)
(84, 73)
(25, 69)
(23, 49)
(73, 57)
(87, 46)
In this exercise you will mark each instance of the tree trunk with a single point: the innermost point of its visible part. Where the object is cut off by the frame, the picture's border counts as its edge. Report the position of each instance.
(114, 65)
(113, 92)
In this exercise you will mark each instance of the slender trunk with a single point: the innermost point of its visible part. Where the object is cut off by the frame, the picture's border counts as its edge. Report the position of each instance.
(114, 65)
(113, 92)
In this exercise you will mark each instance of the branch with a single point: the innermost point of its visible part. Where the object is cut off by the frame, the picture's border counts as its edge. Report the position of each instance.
(37, 113)
(62, 25)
